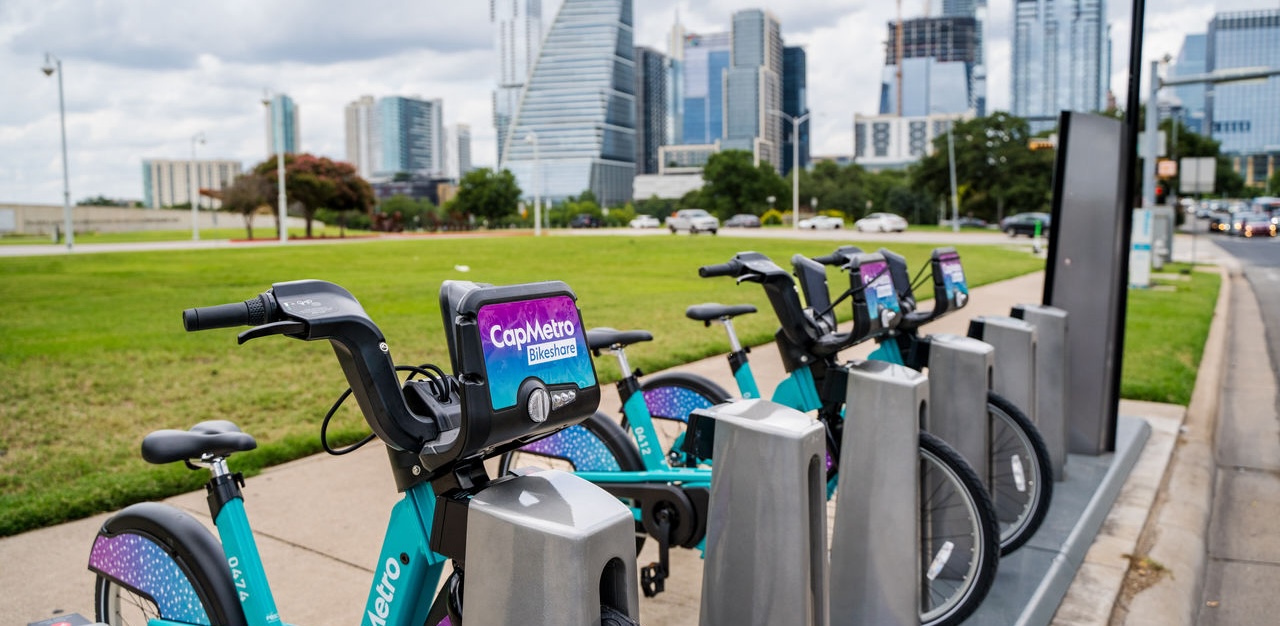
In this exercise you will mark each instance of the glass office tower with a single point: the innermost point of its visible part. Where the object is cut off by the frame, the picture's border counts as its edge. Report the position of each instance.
(1244, 116)
(518, 37)
(753, 87)
(575, 128)
(651, 107)
(282, 118)
(1191, 61)
(795, 102)
(409, 136)
(1060, 59)
(706, 57)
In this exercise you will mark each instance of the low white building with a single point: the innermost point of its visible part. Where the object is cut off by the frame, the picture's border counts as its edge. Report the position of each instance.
(667, 187)
(893, 142)
(167, 182)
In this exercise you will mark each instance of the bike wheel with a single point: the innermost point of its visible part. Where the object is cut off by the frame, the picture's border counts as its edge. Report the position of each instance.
(958, 551)
(1021, 476)
(671, 397)
(154, 562)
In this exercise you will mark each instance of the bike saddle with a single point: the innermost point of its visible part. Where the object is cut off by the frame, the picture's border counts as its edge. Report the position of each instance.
(713, 311)
(212, 438)
(604, 338)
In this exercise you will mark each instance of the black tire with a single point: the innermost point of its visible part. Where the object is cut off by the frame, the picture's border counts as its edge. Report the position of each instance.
(671, 396)
(186, 576)
(1021, 475)
(610, 616)
(958, 552)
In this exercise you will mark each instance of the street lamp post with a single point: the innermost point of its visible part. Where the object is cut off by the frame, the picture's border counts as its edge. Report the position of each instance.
(195, 188)
(795, 162)
(277, 134)
(54, 64)
(532, 138)
(955, 197)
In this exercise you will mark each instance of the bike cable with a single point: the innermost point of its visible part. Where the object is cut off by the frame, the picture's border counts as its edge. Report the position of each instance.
(436, 380)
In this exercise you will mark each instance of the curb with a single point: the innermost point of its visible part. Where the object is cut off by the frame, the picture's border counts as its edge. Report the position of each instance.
(1175, 534)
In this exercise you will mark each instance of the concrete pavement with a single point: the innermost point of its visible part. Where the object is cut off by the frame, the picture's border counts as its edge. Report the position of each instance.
(319, 521)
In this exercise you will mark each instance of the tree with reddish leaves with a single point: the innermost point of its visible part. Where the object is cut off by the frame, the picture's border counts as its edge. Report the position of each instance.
(313, 182)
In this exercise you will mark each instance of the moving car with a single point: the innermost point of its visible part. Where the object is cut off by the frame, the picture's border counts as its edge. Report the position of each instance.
(1255, 225)
(742, 220)
(693, 220)
(585, 220)
(968, 222)
(821, 222)
(1025, 224)
(645, 221)
(881, 222)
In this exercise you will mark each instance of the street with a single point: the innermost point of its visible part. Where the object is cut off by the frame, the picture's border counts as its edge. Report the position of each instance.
(1243, 566)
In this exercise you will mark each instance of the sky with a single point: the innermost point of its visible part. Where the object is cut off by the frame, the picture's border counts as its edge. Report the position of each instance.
(141, 78)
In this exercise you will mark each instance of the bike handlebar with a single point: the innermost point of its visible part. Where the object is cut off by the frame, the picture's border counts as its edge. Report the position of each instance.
(251, 312)
(839, 257)
(720, 269)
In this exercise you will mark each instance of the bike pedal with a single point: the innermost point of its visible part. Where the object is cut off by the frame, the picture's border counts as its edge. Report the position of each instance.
(653, 579)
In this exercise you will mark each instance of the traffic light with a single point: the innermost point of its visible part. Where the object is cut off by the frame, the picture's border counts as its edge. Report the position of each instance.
(1161, 193)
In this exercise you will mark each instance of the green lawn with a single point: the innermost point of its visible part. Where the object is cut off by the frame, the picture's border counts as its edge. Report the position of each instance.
(93, 354)
(1165, 331)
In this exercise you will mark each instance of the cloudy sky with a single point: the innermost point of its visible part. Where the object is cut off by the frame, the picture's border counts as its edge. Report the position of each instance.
(142, 77)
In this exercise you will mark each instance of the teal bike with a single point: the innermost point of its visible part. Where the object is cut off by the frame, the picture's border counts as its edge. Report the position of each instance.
(159, 566)
(644, 460)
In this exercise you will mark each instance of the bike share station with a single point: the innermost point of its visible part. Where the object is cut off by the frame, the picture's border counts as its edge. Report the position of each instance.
(1068, 382)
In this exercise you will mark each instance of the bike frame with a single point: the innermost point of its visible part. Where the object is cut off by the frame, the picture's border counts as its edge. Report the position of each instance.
(404, 582)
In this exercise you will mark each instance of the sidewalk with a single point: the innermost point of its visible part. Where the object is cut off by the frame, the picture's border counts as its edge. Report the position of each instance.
(319, 521)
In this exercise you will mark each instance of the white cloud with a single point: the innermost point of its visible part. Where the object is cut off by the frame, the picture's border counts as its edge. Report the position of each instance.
(143, 76)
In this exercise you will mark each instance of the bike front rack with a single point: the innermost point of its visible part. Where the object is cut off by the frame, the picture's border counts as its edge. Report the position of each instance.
(1052, 406)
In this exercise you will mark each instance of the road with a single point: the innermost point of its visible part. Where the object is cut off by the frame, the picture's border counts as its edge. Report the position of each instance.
(1243, 568)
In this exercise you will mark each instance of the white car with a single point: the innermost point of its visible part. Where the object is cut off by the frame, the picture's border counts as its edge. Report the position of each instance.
(646, 221)
(693, 220)
(820, 222)
(881, 222)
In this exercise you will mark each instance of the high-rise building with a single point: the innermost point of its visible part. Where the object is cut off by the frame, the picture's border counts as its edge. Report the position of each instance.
(939, 64)
(1189, 103)
(409, 137)
(1243, 115)
(360, 131)
(1060, 50)
(977, 9)
(518, 37)
(675, 85)
(459, 152)
(651, 107)
(795, 102)
(706, 57)
(167, 182)
(282, 121)
(753, 87)
(575, 127)
(894, 142)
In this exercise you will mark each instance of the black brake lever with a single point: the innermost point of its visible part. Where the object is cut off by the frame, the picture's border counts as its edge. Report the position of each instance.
(287, 327)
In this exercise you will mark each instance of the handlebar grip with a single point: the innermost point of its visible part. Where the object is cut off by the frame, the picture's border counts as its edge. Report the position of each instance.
(251, 312)
(720, 269)
(834, 258)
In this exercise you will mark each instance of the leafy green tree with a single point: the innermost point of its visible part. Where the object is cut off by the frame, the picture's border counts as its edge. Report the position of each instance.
(410, 212)
(313, 182)
(1273, 184)
(735, 185)
(995, 165)
(487, 195)
(246, 194)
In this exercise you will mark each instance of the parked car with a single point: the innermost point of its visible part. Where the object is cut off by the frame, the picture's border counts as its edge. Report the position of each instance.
(881, 222)
(1256, 225)
(585, 220)
(821, 222)
(968, 222)
(646, 221)
(693, 220)
(1025, 224)
(742, 220)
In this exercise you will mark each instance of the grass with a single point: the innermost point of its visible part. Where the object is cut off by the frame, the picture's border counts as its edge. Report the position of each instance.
(93, 355)
(1165, 331)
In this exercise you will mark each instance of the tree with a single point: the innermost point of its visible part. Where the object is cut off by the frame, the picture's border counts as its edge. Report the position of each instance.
(245, 194)
(315, 182)
(994, 160)
(405, 211)
(735, 185)
(1273, 184)
(487, 194)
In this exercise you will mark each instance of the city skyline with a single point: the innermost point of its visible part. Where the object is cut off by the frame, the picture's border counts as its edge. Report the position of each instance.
(203, 69)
